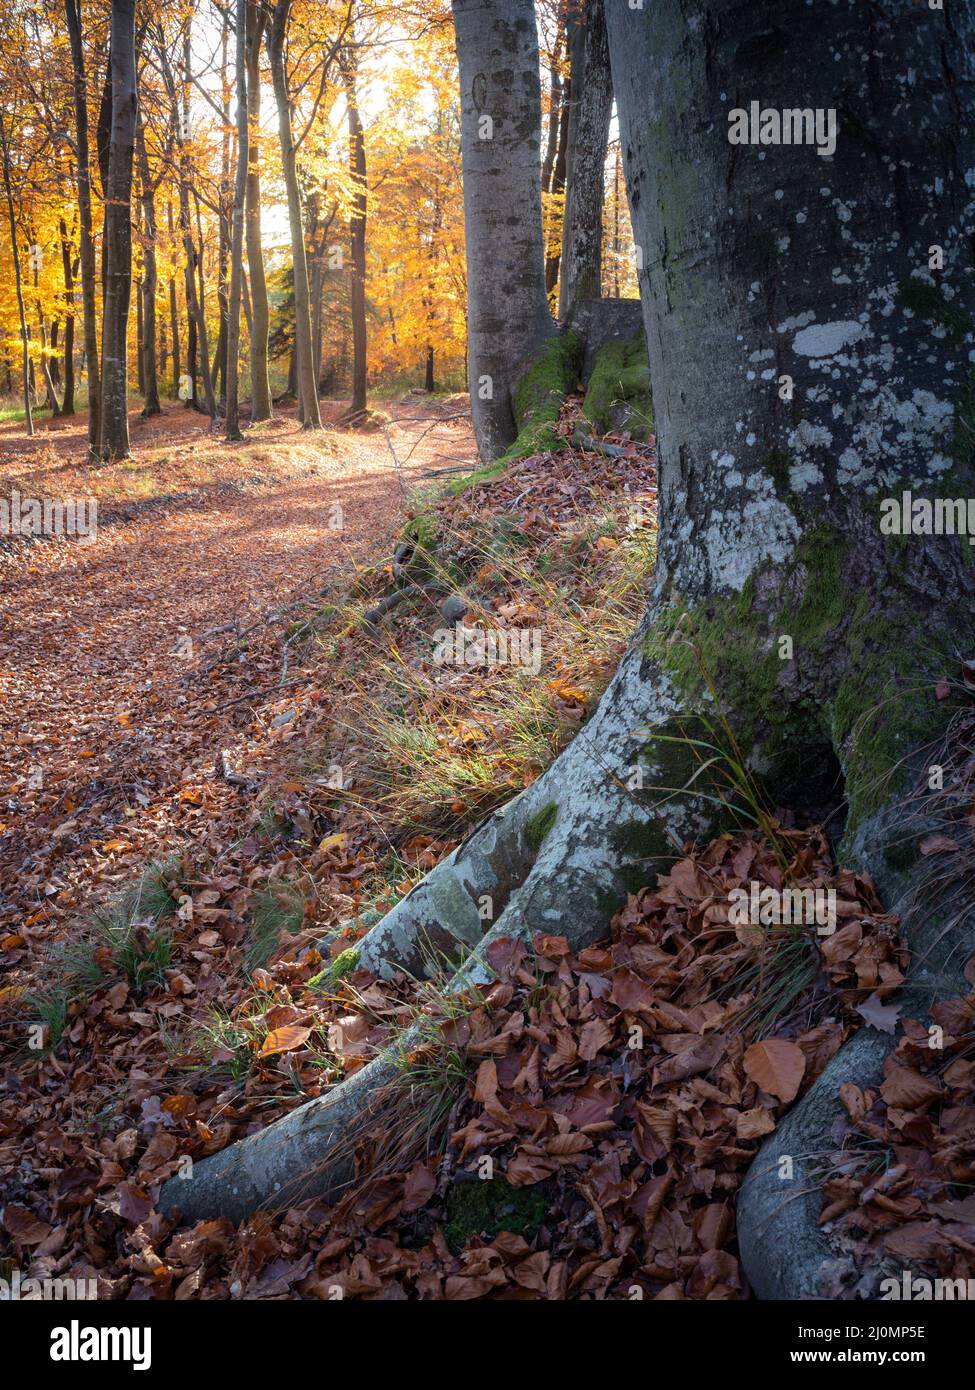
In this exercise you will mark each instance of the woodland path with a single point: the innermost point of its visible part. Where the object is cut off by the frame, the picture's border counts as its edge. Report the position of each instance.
(117, 690)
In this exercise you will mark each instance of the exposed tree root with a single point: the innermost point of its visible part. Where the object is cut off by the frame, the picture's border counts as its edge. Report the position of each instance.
(784, 1251)
(555, 859)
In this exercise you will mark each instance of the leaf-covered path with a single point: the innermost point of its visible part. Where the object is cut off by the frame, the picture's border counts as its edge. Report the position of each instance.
(128, 662)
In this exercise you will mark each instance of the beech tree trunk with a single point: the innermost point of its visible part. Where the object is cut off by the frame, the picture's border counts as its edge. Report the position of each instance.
(770, 512)
(553, 253)
(237, 238)
(18, 282)
(357, 228)
(150, 377)
(508, 316)
(118, 235)
(260, 310)
(173, 311)
(580, 270)
(307, 385)
(86, 238)
(67, 400)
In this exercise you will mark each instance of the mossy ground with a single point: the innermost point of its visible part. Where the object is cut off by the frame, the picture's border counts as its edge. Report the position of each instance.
(485, 1208)
(621, 377)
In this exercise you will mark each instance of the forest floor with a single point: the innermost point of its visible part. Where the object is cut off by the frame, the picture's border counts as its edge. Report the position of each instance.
(218, 772)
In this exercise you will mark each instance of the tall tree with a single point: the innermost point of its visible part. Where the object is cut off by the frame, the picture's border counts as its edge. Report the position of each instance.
(500, 141)
(237, 239)
(18, 281)
(86, 238)
(307, 385)
(150, 278)
(357, 227)
(580, 269)
(67, 401)
(118, 234)
(260, 309)
(178, 92)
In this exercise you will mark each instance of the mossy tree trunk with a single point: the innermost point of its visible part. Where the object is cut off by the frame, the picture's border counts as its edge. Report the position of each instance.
(114, 442)
(508, 316)
(580, 271)
(769, 530)
(809, 353)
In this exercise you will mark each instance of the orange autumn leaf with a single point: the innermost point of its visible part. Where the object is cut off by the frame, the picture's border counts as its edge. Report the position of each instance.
(285, 1040)
(777, 1066)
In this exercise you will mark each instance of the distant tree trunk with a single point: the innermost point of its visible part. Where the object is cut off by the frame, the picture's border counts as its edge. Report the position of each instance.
(67, 401)
(50, 394)
(192, 400)
(18, 283)
(308, 387)
(580, 271)
(86, 238)
(223, 221)
(555, 108)
(55, 364)
(237, 239)
(179, 96)
(173, 310)
(357, 227)
(150, 379)
(140, 378)
(508, 317)
(118, 235)
(554, 251)
(260, 310)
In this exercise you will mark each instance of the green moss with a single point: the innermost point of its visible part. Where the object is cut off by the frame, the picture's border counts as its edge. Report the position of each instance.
(485, 1208)
(539, 826)
(621, 376)
(540, 394)
(644, 839)
(345, 963)
(878, 714)
(479, 475)
(929, 303)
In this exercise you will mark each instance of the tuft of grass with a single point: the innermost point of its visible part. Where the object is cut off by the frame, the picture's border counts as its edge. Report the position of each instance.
(276, 910)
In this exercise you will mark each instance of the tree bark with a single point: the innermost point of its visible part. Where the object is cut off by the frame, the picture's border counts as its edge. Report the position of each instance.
(173, 311)
(18, 283)
(553, 255)
(308, 387)
(260, 310)
(197, 347)
(770, 526)
(237, 238)
(67, 400)
(85, 235)
(150, 377)
(118, 235)
(357, 228)
(580, 270)
(508, 316)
